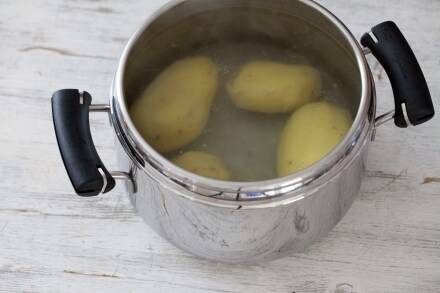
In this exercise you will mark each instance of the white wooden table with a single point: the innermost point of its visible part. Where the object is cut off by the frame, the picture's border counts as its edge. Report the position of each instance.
(53, 241)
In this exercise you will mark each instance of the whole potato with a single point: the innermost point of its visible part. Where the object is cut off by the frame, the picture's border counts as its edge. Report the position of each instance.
(269, 87)
(204, 165)
(175, 108)
(311, 133)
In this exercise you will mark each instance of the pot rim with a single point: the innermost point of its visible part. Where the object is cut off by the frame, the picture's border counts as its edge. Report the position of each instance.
(274, 191)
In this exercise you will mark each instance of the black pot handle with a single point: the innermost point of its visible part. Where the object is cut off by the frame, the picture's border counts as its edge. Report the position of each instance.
(70, 110)
(411, 94)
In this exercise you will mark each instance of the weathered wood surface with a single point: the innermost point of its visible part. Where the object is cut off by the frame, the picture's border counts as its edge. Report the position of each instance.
(52, 241)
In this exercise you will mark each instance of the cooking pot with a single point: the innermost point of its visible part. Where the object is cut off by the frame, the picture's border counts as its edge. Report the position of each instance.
(240, 221)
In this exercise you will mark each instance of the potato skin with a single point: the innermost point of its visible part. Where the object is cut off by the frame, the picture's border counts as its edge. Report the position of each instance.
(269, 87)
(311, 133)
(204, 165)
(174, 110)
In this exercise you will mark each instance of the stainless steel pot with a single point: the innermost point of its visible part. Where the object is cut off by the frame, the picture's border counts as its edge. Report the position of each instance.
(236, 221)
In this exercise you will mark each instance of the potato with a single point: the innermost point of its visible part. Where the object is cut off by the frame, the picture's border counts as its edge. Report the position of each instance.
(311, 133)
(175, 108)
(269, 87)
(204, 165)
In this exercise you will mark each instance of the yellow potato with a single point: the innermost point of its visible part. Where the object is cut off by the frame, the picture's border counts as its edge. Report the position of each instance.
(269, 87)
(311, 133)
(204, 165)
(175, 108)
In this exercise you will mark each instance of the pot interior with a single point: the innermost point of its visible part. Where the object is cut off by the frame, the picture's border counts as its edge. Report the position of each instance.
(234, 32)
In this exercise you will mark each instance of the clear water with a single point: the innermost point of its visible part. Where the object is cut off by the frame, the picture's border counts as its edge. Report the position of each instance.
(247, 142)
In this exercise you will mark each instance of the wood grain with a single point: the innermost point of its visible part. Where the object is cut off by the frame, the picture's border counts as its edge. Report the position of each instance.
(53, 241)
